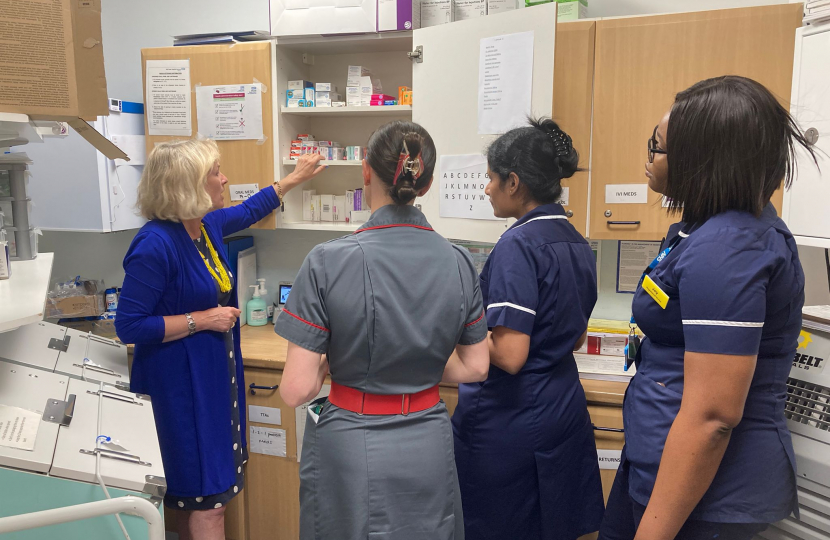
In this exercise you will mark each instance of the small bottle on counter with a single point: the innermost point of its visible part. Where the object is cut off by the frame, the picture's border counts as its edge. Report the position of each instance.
(112, 299)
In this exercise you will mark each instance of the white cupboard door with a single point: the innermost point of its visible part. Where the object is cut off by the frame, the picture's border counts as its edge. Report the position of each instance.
(446, 97)
(805, 206)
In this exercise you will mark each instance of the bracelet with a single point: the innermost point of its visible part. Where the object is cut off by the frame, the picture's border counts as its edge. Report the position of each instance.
(279, 189)
(191, 324)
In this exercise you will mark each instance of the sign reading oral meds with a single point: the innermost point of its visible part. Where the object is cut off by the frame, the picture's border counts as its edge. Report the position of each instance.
(626, 193)
(462, 180)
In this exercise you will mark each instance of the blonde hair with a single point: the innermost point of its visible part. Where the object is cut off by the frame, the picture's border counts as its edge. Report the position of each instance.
(172, 186)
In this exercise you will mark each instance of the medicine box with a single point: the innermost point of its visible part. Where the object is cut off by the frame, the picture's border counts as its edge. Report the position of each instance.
(469, 9)
(360, 216)
(293, 94)
(326, 207)
(299, 85)
(355, 73)
(315, 208)
(396, 15)
(325, 87)
(353, 96)
(571, 10)
(339, 210)
(338, 103)
(295, 103)
(349, 204)
(308, 197)
(501, 6)
(435, 12)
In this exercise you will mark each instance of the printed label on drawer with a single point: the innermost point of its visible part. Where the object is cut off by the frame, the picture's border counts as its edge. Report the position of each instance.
(268, 441)
(265, 415)
(609, 459)
(626, 193)
(564, 196)
(242, 192)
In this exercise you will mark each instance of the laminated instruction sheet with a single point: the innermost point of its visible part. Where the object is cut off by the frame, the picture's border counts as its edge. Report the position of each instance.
(230, 112)
(632, 259)
(168, 97)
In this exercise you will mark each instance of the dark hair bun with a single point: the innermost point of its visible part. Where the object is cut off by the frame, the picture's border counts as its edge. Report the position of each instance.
(540, 155)
(385, 150)
(566, 158)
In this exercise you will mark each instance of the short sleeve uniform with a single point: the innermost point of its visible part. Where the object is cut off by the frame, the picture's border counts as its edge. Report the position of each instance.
(735, 287)
(388, 305)
(524, 444)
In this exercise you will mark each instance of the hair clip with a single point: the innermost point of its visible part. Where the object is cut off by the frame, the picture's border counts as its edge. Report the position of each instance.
(408, 165)
(561, 142)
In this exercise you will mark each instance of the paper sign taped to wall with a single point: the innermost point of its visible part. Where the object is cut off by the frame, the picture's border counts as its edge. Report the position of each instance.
(268, 441)
(230, 112)
(168, 97)
(242, 192)
(461, 189)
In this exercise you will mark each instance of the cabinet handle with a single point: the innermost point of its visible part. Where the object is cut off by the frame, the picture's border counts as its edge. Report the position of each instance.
(623, 222)
(254, 387)
(611, 429)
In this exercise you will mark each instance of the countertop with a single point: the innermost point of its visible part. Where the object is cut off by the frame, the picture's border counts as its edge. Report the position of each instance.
(263, 349)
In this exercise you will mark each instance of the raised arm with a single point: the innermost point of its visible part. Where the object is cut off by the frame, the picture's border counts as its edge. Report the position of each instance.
(236, 218)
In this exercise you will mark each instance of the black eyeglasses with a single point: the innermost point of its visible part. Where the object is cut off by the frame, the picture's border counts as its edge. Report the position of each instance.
(652, 147)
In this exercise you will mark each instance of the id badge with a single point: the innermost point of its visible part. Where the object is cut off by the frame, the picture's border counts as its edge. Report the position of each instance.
(655, 292)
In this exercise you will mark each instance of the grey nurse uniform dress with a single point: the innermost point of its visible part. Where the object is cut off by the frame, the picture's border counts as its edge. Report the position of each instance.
(388, 305)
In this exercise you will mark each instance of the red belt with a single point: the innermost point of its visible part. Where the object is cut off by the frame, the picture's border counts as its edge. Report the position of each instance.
(376, 404)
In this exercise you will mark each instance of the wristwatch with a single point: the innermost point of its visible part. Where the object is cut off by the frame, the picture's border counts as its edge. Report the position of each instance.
(191, 324)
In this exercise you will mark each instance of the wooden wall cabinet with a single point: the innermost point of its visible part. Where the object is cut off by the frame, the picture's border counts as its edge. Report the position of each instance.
(641, 63)
(573, 81)
(243, 162)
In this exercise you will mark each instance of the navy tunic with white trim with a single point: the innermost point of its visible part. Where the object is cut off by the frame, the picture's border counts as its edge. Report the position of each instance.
(524, 444)
(735, 287)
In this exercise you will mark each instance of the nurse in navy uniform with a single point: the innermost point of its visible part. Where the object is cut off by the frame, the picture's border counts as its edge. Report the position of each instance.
(524, 443)
(708, 453)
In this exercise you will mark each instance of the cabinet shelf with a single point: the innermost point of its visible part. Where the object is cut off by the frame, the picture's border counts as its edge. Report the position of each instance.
(322, 226)
(23, 296)
(332, 163)
(334, 112)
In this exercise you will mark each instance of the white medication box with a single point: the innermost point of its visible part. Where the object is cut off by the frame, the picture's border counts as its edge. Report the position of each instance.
(308, 211)
(325, 87)
(502, 6)
(299, 85)
(435, 12)
(469, 9)
(326, 207)
(355, 73)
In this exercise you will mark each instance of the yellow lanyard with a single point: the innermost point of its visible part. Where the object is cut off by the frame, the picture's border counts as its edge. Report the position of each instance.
(222, 279)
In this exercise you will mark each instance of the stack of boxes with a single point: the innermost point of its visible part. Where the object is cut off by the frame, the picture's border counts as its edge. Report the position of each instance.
(326, 96)
(347, 208)
(330, 150)
(299, 94)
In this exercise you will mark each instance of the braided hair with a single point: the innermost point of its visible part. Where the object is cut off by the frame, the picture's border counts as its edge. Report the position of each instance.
(540, 154)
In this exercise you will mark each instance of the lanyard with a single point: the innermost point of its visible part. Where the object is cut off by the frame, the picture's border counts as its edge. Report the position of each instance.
(633, 338)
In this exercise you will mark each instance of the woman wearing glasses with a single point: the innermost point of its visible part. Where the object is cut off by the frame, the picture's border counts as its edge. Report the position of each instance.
(708, 453)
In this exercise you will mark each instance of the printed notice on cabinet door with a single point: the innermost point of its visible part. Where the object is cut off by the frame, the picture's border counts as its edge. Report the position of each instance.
(268, 441)
(168, 97)
(463, 179)
(18, 427)
(505, 80)
(230, 112)
(632, 259)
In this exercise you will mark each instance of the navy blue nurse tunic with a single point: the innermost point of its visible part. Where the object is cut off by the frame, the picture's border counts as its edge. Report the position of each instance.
(524, 443)
(735, 287)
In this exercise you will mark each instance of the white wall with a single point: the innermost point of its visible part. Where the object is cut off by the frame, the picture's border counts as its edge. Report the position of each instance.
(131, 25)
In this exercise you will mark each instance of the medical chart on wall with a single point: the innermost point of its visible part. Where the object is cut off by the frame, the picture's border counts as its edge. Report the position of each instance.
(168, 97)
(462, 180)
(230, 112)
(505, 80)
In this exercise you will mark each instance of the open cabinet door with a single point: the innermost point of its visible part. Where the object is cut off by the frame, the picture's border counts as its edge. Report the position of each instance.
(446, 96)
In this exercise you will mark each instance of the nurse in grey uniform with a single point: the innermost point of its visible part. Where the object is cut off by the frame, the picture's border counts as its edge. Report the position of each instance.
(383, 309)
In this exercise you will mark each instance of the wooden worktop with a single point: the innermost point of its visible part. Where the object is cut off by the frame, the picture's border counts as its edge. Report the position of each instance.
(263, 349)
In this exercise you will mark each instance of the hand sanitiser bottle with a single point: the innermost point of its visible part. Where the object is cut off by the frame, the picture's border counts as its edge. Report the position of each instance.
(257, 310)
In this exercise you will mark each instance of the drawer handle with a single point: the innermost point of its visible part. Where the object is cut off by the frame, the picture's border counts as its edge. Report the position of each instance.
(623, 222)
(254, 387)
(611, 429)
